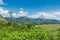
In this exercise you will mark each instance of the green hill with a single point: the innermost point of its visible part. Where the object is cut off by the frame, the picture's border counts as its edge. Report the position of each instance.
(2, 20)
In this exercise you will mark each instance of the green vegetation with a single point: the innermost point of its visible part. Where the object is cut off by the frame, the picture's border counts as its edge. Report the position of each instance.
(49, 26)
(22, 32)
(10, 30)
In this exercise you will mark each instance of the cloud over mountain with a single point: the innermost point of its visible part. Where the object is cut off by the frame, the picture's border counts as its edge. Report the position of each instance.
(52, 15)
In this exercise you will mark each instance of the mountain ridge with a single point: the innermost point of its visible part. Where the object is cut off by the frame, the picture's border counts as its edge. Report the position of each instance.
(34, 21)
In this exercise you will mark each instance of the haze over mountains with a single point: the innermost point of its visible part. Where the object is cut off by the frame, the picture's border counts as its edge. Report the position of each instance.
(22, 13)
(30, 20)
(23, 17)
(26, 20)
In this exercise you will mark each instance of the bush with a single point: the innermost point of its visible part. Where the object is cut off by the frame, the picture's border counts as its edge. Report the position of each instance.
(35, 33)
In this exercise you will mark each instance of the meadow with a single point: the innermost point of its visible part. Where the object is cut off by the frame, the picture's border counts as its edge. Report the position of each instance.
(49, 26)
(38, 32)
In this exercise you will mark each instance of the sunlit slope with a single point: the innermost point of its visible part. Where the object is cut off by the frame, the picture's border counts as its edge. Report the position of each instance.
(49, 26)
(2, 20)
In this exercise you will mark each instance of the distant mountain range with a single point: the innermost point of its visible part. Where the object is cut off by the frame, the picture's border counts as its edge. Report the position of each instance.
(26, 20)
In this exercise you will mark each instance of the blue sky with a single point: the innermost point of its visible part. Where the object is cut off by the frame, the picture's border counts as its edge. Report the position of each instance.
(32, 7)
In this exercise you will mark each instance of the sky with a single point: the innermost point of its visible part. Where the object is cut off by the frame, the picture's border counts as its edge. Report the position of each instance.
(49, 9)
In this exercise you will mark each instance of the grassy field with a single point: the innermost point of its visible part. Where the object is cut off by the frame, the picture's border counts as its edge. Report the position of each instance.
(40, 32)
(49, 26)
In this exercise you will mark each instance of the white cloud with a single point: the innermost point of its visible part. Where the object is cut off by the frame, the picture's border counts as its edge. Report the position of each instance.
(33, 16)
(45, 15)
(2, 2)
(53, 15)
(15, 15)
(4, 12)
(23, 13)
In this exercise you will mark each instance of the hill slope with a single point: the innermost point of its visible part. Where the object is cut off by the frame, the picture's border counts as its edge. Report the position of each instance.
(2, 20)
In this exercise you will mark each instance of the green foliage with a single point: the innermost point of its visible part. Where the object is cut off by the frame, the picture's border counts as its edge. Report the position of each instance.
(27, 31)
(24, 33)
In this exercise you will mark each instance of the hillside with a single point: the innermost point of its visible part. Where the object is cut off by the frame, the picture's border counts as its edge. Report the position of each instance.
(2, 20)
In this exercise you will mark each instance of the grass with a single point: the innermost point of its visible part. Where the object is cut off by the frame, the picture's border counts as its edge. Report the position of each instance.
(49, 26)
(35, 33)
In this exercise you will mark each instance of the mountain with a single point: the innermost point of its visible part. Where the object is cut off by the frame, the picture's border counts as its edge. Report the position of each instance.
(47, 21)
(26, 20)
(23, 20)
